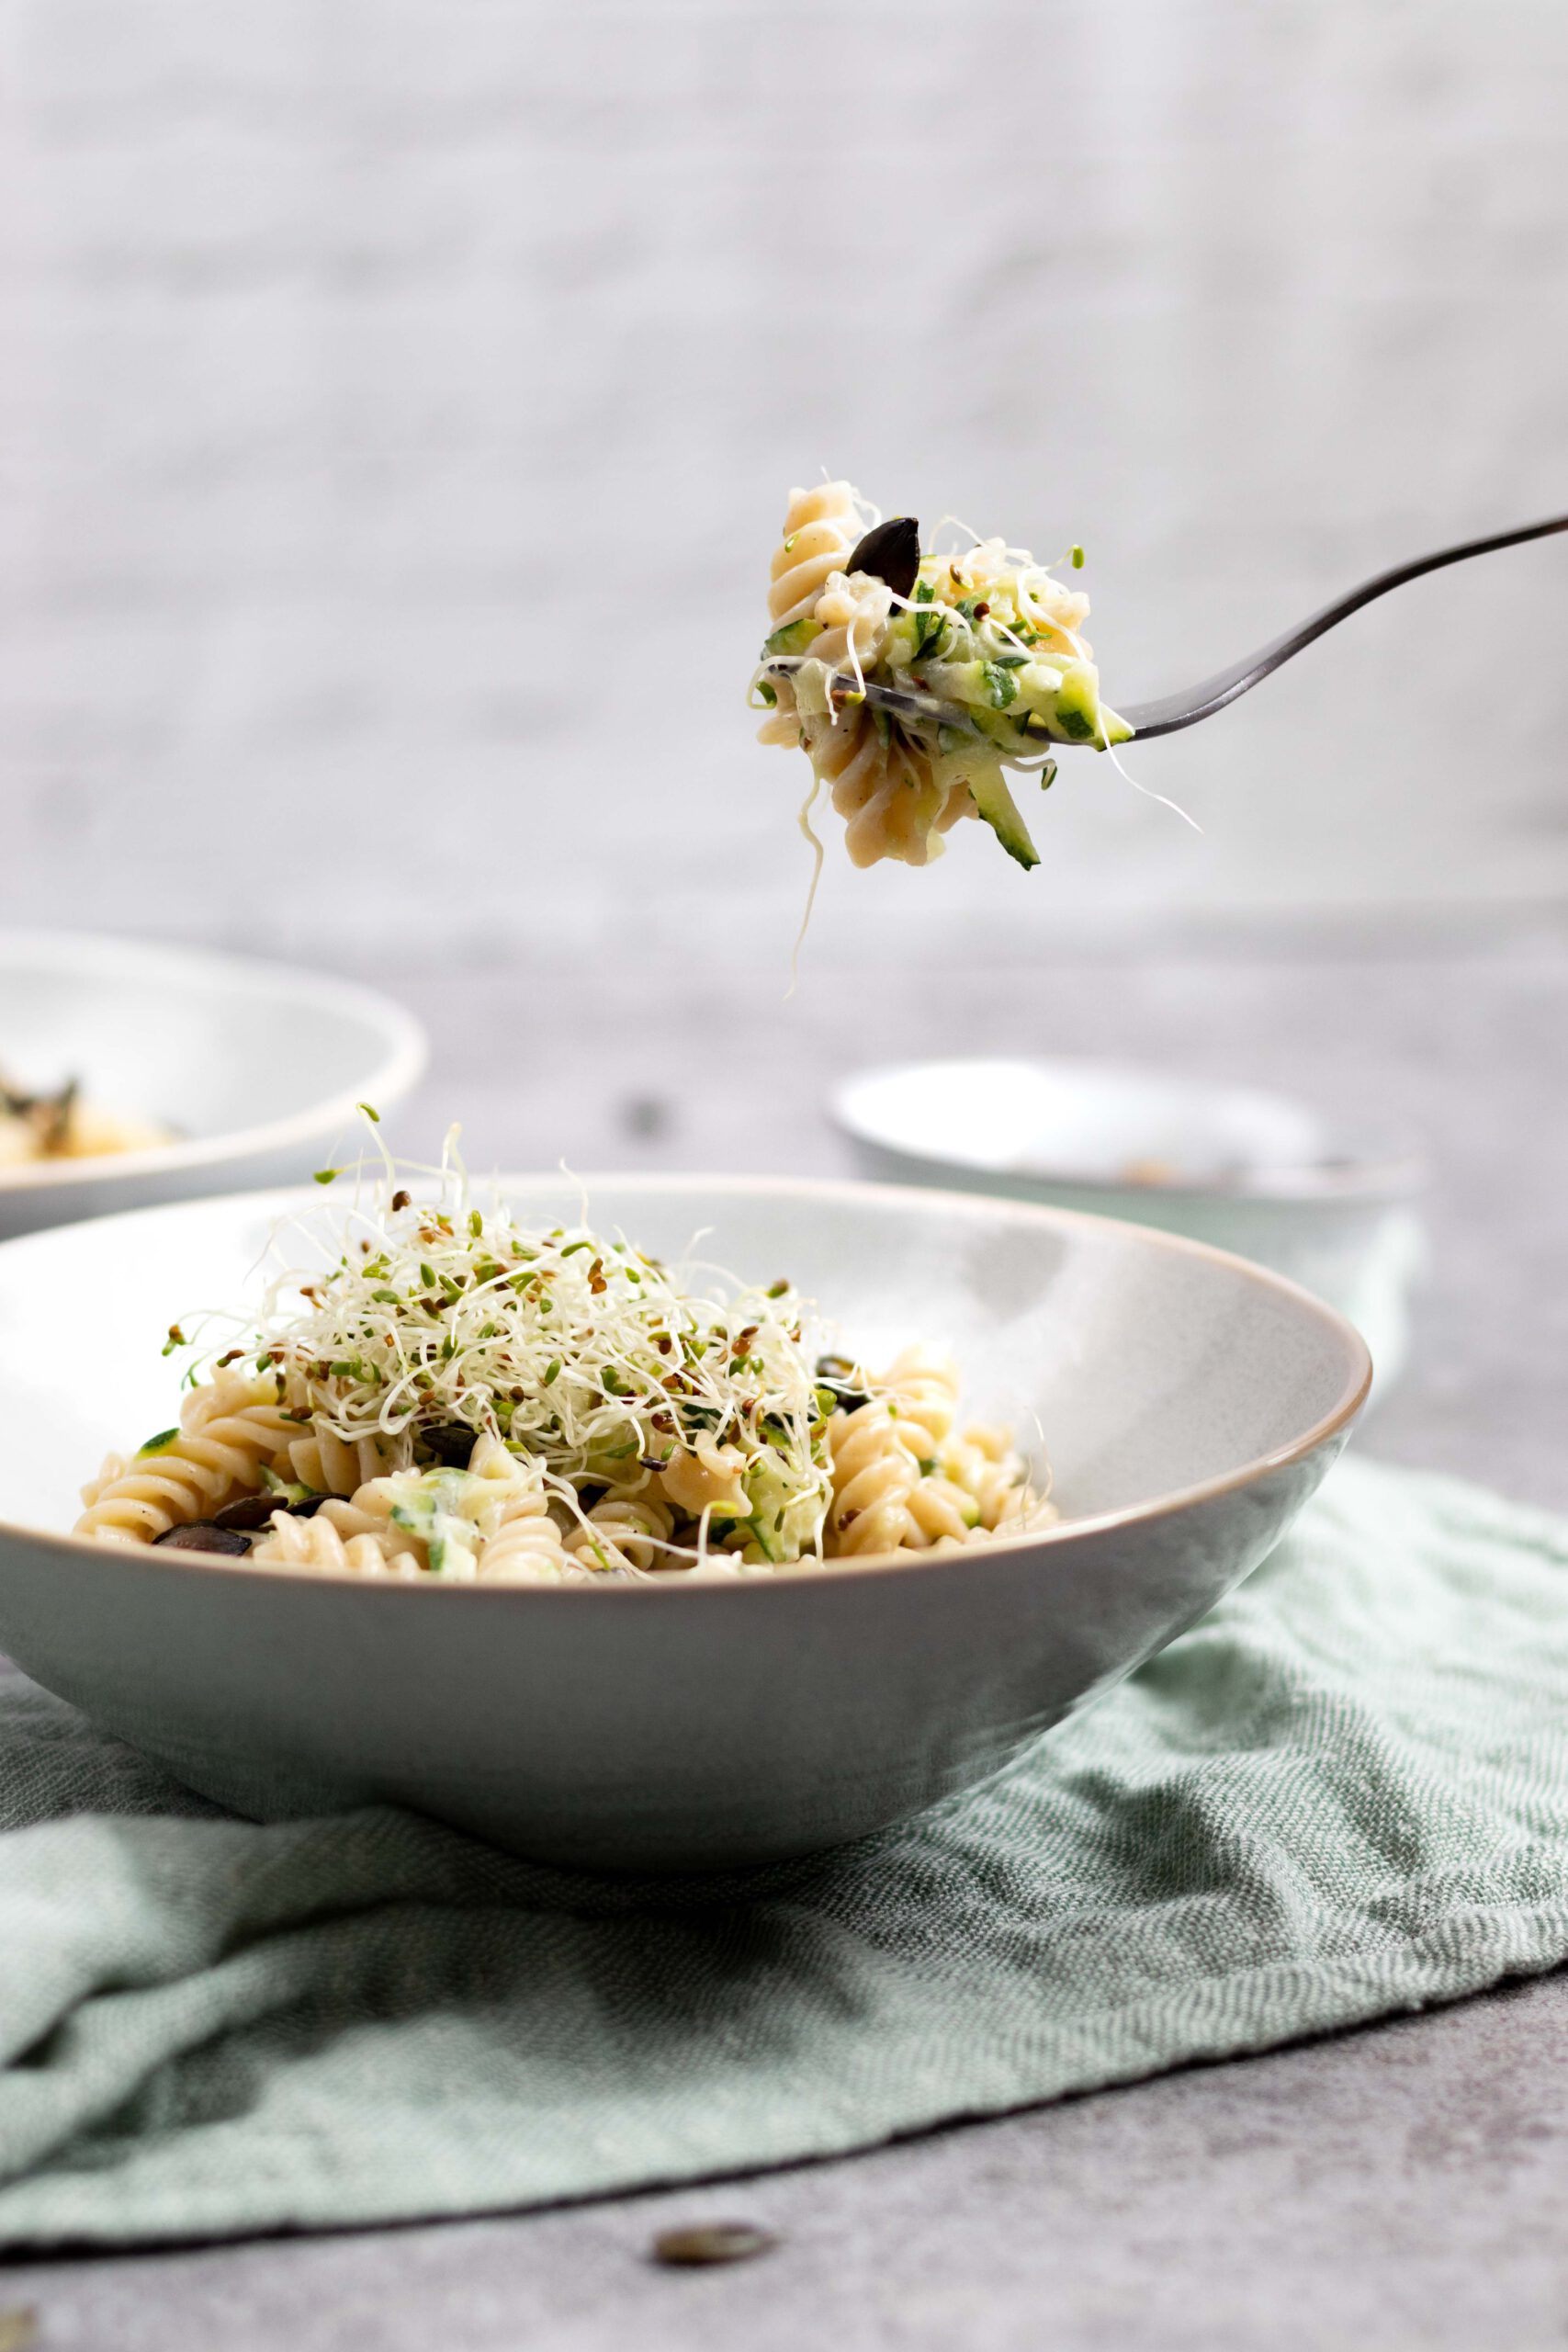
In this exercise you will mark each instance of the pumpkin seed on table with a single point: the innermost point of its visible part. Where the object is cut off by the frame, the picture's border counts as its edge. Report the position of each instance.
(702, 2243)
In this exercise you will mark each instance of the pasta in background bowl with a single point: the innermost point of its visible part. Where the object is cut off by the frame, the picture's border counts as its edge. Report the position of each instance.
(1190, 1403)
(193, 1072)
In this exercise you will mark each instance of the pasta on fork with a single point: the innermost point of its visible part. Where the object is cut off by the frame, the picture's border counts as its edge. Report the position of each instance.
(983, 647)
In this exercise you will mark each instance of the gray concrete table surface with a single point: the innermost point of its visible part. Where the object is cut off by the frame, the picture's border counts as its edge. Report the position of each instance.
(1396, 2188)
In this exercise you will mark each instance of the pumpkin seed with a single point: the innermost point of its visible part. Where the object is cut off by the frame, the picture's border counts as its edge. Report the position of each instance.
(452, 1443)
(707, 2242)
(891, 552)
(198, 1535)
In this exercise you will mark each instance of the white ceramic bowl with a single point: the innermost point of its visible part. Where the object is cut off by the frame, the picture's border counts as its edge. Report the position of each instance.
(1233, 1165)
(1190, 1405)
(255, 1065)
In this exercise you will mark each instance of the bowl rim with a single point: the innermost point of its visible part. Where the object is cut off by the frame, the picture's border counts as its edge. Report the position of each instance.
(1391, 1167)
(1341, 1415)
(400, 1040)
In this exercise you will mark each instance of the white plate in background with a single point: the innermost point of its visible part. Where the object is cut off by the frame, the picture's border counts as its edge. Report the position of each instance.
(1237, 1167)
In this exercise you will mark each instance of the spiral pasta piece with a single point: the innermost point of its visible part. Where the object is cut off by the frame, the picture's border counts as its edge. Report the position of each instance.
(526, 1548)
(922, 1385)
(873, 1475)
(623, 1531)
(941, 1514)
(983, 1463)
(329, 1465)
(706, 1478)
(894, 804)
(320, 1543)
(894, 801)
(230, 1429)
(520, 1540)
(821, 527)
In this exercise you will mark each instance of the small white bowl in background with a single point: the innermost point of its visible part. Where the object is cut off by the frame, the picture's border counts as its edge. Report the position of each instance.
(256, 1068)
(1245, 1170)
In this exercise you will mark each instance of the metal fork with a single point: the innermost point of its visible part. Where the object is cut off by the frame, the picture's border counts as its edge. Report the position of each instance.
(1184, 709)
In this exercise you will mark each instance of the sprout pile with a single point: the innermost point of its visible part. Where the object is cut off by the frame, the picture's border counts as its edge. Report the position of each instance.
(432, 1388)
(440, 1322)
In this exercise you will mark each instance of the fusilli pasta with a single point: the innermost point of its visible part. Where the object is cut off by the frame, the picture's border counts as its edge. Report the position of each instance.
(623, 1531)
(229, 1432)
(981, 650)
(560, 1412)
(319, 1543)
(875, 1473)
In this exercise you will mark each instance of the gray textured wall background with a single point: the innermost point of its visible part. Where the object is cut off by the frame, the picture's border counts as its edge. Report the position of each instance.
(373, 370)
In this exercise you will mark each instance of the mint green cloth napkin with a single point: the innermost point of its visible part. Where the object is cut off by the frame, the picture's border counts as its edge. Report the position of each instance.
(1345, 1792)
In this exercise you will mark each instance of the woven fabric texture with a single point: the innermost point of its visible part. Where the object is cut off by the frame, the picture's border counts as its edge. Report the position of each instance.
(1344, 1793)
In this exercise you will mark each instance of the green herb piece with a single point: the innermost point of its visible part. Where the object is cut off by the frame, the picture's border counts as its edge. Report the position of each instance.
(159, 1444)
(328, 1175)
(288, 1490)
(794, 637)
(929, 630)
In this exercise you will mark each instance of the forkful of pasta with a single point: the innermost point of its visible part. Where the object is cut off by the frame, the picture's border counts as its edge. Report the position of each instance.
(917, 680)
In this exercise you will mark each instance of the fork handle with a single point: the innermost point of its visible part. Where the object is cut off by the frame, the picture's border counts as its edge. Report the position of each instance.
(1172, 711)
